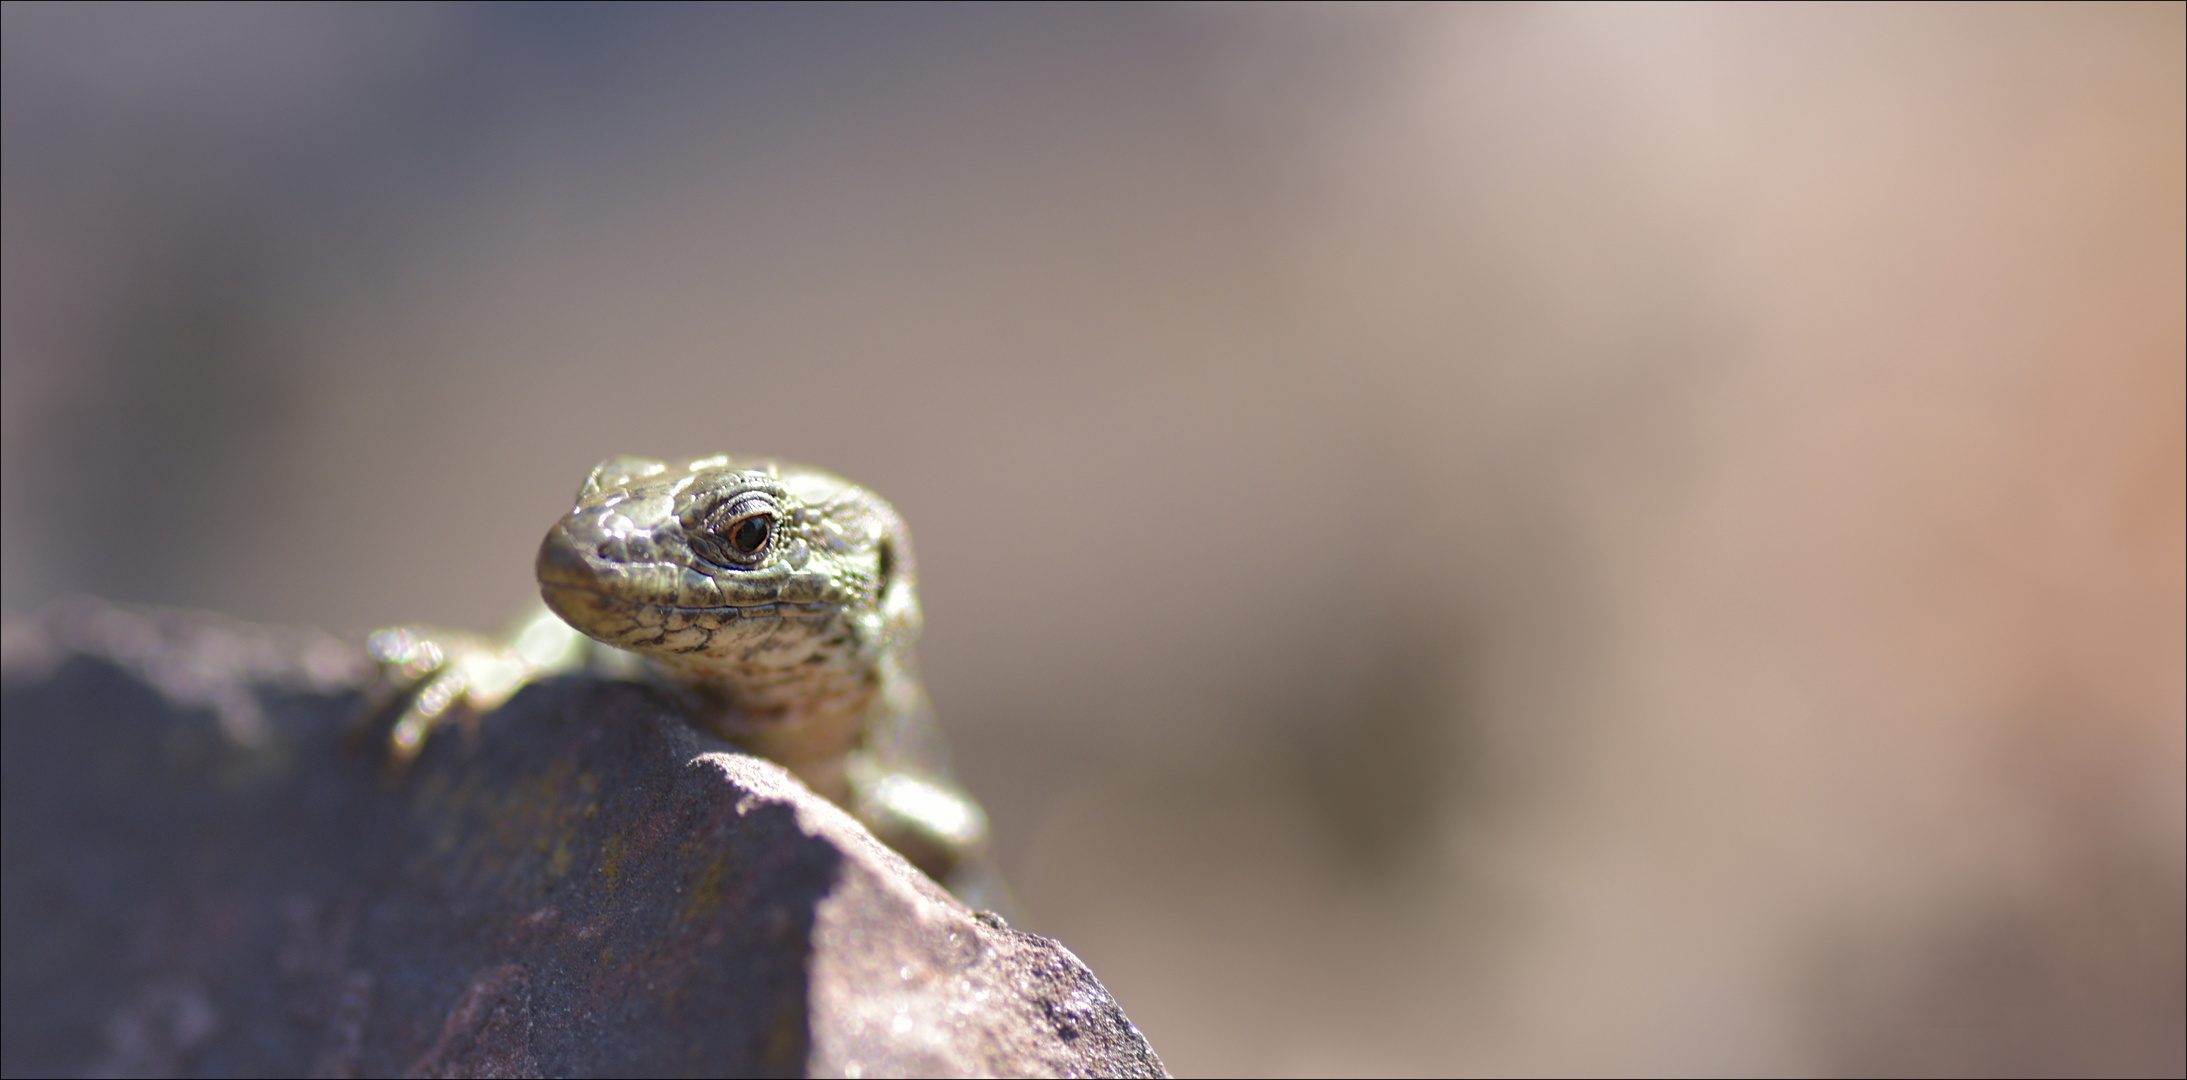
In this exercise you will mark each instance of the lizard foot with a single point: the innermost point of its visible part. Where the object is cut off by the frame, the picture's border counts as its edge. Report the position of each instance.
(445, 675)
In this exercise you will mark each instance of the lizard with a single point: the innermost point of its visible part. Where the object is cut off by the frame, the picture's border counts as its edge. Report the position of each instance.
(777, 601)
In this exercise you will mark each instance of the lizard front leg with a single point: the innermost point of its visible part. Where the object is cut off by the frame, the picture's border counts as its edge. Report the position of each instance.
(444, 675)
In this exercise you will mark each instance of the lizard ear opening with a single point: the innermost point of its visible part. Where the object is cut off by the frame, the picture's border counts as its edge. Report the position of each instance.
(894, 590)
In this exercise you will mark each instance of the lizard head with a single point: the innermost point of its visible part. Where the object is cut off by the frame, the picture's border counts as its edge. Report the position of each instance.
(755, 574)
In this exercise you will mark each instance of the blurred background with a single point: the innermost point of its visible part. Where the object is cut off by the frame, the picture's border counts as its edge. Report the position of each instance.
(1474, 539)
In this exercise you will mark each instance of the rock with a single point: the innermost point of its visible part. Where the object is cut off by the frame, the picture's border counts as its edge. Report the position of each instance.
(206, 872)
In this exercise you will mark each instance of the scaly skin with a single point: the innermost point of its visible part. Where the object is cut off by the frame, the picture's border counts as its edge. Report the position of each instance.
(779, 600)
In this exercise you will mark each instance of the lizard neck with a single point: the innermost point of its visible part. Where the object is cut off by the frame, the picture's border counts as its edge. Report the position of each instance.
(808, 717)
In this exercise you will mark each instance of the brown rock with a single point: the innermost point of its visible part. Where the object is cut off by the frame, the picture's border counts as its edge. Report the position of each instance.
(203, 876)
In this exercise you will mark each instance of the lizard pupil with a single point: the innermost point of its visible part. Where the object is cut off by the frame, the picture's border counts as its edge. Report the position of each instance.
(751, 534)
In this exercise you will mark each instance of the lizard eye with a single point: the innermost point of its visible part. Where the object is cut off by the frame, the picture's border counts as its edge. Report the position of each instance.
(738, 532)
(751, 534)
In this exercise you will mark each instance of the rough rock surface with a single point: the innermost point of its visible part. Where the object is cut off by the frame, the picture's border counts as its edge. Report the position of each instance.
(205, 873)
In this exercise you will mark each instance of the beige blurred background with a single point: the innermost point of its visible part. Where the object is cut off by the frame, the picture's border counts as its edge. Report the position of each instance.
(1520, 538)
